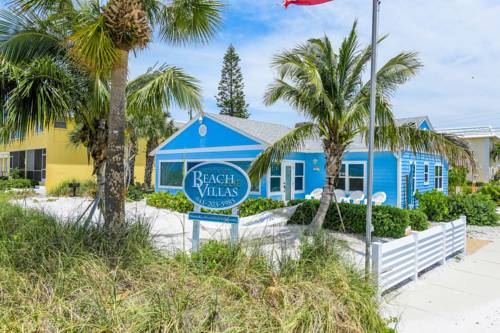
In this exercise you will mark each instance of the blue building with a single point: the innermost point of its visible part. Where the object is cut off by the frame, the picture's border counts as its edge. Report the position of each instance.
(214, 137)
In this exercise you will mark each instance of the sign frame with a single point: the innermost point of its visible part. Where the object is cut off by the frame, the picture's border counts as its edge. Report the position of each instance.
(243, 172)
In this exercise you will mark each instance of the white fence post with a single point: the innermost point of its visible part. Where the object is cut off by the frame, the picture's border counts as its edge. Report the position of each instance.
(443, 231)
(415, 256)
(463, 219)
(377, 266)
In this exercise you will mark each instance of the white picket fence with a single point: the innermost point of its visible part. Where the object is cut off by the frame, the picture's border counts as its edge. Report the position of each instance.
(403, 259)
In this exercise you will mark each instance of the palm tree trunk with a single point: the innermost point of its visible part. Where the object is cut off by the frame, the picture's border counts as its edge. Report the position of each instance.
(333, 163)
(115, 180)
(148, 172)
(101, 181)
(132, 155)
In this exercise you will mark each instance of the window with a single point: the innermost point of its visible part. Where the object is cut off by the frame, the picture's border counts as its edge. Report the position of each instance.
(413, 176)
(245, 165)
(438, 177)
(299, 177)
(426, 173)
(60, 124)
(351, 177)
(275, 177)
(356, 177)
(171, 174)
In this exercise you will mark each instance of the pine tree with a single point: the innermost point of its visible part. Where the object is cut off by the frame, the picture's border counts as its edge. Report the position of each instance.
(231, 98)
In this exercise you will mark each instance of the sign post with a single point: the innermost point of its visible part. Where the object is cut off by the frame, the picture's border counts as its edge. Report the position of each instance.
(215, 186)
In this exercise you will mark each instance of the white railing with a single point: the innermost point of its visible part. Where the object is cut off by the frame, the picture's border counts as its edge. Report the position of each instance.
(403, 259)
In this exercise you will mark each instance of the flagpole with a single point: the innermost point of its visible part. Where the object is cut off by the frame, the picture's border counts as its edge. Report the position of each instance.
(371, 138)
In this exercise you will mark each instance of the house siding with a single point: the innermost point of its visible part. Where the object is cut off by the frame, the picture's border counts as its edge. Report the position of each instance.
(407, 158)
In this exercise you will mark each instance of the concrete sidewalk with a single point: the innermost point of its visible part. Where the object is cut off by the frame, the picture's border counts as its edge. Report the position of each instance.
(463, 296)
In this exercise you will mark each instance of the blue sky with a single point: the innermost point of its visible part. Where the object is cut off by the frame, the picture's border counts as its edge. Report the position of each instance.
(457, 40)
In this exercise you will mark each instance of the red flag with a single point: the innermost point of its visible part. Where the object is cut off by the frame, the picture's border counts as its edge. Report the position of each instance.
(287, 3)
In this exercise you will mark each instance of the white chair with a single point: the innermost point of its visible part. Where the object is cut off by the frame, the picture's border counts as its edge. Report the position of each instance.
(378, 198)
(340, 196)
(357, 197)
(316, 194)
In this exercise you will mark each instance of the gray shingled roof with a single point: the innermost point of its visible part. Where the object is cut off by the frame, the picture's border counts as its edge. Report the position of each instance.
(413, 120)
(269, 133)
(266, 132)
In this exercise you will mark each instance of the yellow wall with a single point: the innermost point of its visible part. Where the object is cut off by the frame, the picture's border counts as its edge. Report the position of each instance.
(65, 161)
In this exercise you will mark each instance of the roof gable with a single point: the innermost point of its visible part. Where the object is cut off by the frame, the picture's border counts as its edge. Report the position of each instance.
(217, 134)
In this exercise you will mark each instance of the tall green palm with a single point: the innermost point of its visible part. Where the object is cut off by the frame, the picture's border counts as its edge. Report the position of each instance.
(102, 38)
(149, 97)
(327, 88)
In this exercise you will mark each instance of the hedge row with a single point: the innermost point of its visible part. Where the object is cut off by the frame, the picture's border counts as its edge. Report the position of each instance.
(479, 208)
(179, 203)
(8, 184)
(388, 221)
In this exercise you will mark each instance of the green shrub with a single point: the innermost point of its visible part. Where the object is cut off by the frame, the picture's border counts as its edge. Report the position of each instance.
(493, 190)
(478, 208)
(254, 206)
(138, 191)
(8, 184)
(387, 221)
(174, 202)
(457, 177)
(434, 204)
(87, 188)
(418, 220)
(180, 203)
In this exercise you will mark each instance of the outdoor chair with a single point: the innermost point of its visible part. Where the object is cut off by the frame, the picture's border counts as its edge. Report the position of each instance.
(316, 194)
(340, 195)
(357, 197)
(378, 198)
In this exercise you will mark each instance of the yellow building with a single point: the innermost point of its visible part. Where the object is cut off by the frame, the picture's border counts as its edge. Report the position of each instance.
(47, 156)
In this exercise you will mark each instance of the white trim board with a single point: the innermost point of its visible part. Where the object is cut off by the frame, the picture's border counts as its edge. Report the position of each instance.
(210, 149)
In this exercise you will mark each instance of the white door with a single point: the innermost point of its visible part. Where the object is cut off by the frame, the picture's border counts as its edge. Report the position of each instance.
(288, 177)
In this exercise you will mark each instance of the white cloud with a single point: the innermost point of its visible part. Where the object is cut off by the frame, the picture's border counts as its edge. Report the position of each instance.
(457, 41)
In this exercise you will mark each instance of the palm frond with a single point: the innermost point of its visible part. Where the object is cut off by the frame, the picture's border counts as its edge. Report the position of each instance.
(292, 141)
(24, 36)
(93, 45)
(160, 88)
(189, 21)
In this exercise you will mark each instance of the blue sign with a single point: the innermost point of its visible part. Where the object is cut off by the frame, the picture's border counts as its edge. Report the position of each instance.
(216, 185)
(232, 219)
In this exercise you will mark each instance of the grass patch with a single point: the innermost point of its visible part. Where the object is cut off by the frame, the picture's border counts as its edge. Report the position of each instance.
(87, 188)
(58, 277)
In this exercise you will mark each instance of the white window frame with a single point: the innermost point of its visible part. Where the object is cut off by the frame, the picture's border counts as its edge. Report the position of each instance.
(186, 161)
(413, 164)
(426, 173)
(269, 176)
(438, 177)
(303, 176)
(347, 175)
(159, 174)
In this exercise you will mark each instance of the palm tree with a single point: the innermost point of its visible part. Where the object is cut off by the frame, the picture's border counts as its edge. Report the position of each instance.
(149, 97)
(101, 40)
(327, 88)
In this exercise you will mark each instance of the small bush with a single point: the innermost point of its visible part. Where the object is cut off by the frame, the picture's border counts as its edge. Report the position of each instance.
(88, 188)
(478, 208)
(254, 206)
(434, 204)
(387, 221)
(8, 184)
(418, 220)
(180, 203)
(493, 190)
(175, 202)
(138, 191)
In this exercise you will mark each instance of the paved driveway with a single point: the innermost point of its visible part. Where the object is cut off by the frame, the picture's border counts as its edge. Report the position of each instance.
(463, 297)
